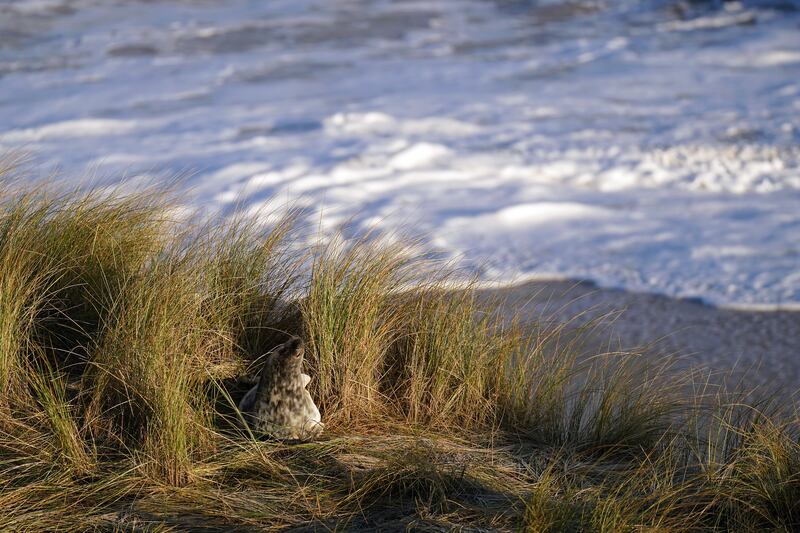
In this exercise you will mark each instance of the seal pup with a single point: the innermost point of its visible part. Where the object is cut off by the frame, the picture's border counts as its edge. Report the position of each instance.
(279, 404)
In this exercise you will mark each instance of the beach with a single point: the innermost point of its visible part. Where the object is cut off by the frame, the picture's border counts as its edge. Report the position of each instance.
(760, 347)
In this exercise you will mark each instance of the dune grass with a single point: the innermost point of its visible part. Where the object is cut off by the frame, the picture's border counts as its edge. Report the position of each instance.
(125, 335)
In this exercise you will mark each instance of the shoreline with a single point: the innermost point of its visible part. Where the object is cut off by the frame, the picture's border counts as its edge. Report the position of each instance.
(548, 278)
(757, 346)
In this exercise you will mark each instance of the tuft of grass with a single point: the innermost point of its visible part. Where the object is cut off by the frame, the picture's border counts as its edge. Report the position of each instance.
(149, 368)
(350, 322)
(456, 364)
(60, 415)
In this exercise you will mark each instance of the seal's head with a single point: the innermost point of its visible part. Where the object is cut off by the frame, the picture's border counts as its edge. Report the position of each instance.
(294, 347)
(286, 358)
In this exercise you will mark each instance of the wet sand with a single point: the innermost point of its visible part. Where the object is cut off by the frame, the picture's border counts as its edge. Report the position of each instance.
(761, 347)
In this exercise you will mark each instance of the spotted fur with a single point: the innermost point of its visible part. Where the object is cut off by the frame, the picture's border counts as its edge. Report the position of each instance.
(279, 404)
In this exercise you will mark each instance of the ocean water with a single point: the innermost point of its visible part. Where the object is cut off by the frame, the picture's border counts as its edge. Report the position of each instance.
(643, 144)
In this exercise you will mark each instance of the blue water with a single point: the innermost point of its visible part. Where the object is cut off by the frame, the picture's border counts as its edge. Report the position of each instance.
(649, 145)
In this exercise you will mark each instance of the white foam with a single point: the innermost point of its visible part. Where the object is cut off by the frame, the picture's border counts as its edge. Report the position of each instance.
(774, 58)
(722, 20)
(419, 155)
(520, 217)
(37, 7)
(86, 127)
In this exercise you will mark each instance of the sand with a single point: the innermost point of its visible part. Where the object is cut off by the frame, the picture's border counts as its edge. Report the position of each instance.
(762, 348)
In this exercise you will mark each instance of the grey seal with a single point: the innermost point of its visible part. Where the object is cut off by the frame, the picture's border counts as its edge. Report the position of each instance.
(279, 404)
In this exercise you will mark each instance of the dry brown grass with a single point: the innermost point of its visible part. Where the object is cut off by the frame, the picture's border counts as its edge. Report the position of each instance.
(122, 333)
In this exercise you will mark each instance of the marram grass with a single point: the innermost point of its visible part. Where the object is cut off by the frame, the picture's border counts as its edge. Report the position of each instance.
(124, 336)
